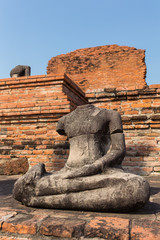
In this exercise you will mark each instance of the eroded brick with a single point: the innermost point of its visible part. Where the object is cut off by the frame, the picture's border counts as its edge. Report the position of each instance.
(145, 229)
(5, 216)
(108, 228)
(62, 228)
(22, 224)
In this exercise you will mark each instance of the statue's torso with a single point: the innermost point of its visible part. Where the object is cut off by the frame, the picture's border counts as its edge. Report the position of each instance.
(86, 149)
(88, 136)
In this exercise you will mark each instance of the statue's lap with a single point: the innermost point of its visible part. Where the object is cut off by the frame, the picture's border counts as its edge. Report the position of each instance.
(114, 191)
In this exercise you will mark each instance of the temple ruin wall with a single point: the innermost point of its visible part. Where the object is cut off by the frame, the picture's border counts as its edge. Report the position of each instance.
(109, 77)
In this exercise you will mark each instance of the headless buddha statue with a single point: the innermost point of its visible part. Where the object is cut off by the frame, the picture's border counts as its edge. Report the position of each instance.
(92, 178)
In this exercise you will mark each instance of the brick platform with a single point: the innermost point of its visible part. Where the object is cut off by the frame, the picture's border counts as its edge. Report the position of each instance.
(30, 108)
(18, 222)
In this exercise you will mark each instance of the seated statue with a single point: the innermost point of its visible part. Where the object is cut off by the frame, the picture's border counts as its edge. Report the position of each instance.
(92, 178)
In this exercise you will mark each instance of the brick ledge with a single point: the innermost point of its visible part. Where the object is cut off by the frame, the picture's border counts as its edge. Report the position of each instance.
(67, 224)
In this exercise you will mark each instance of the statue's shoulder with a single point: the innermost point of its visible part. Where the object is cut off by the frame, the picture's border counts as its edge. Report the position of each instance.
(113, 118)
(110, 114)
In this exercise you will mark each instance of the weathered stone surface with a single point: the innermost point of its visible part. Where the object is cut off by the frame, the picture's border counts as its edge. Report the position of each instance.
(20, 70)
(109, 66)
(24, 187)
(92, 178)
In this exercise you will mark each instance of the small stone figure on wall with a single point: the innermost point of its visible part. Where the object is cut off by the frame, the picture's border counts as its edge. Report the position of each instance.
(92, 178)
(20, 71)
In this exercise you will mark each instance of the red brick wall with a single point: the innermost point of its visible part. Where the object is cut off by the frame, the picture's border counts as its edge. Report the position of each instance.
(29, 110)
(112, 77)
(110, 66)
(140, 111)
(31, 106)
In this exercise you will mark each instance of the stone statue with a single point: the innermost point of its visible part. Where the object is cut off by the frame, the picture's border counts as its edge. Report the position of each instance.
(92, 178)
(20, 71)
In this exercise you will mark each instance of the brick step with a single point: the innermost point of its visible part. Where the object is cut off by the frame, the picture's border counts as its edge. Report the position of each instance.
(75, 225)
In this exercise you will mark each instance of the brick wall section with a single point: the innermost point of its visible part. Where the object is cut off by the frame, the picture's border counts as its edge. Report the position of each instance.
(29, 110)
(31, 106)
(140, 111)
(110, 66)
(110, 75)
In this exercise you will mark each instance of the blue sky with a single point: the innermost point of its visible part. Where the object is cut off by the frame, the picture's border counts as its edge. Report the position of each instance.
(33, 31)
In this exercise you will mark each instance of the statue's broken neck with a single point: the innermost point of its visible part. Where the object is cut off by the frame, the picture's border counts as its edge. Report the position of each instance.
(86, 106)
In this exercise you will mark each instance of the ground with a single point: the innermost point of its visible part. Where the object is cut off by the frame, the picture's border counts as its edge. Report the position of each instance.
(20, 222)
